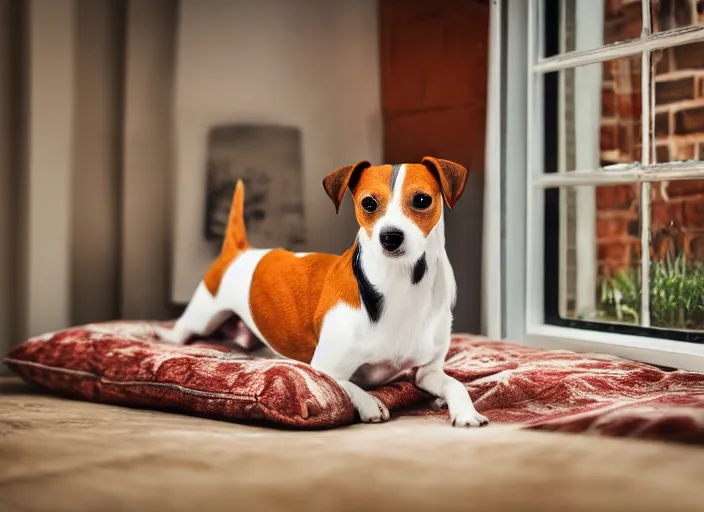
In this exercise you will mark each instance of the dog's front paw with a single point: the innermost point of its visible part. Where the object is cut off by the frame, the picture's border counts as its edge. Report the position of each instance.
(469, 419)
(372, 410)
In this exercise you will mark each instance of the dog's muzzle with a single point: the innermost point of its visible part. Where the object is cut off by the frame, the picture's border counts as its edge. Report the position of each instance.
(391, 240)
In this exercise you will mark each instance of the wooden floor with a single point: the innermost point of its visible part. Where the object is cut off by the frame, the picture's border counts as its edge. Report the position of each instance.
(63, 455)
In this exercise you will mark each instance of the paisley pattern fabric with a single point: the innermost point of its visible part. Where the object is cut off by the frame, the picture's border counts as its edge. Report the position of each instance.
(124, 363)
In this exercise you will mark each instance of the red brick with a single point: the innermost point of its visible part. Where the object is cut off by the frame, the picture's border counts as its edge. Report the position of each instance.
(678, 13)
(661, 246)
(683, 151)
(611, 228)
(619, 197)
(656, 192)
(635, 252)
(632, 23)
(674, 90)
(696, 248)
(700, 87)
(612, 31)
(633, 66)
(458, 132)
(627, 78)
(618, 255)
(634, 227)
(662, 124)
(608, 102)
(608, 137)
(689, 121)
(662, 153)
(612, 8)
(628, 135)
(628, 106)
(447, 41)
(694, 213)
(612, 251)
(607, 69)
(684, 188)
(661, 59)
(663, 215)
(689, 56)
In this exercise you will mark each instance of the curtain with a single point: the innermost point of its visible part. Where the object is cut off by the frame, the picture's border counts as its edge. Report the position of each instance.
(85, 162)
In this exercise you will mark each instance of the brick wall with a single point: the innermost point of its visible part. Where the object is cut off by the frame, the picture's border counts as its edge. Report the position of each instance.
(434, 58)
(677, 218)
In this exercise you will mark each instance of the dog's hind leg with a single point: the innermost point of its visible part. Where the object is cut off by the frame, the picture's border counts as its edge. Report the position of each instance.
(202, 317)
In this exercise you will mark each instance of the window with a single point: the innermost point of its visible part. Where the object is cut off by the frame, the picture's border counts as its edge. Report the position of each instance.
(602, 220)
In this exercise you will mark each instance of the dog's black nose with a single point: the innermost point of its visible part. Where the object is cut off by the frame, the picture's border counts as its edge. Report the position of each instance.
(391, 239)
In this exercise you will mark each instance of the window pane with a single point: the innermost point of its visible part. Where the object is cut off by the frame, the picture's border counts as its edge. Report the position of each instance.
(677, 254)
(593, 233)
(679, 102)
(599, 231)
(596, 115)
(587, 24)
(671, 14)
(598, 272)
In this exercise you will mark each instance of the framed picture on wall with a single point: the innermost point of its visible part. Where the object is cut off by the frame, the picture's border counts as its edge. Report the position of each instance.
(268, 160)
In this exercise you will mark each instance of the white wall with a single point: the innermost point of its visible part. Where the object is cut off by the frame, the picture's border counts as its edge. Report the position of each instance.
(311, 64)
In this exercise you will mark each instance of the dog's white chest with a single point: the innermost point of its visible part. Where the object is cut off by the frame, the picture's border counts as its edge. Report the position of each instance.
(403, 338)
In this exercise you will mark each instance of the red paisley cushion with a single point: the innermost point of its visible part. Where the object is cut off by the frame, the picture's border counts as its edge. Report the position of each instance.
(124, 363)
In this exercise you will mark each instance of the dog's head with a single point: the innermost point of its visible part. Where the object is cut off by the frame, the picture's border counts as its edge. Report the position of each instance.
(398, 206)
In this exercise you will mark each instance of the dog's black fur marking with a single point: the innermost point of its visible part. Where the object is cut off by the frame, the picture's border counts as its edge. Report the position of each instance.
(419, 270)
(371, 298)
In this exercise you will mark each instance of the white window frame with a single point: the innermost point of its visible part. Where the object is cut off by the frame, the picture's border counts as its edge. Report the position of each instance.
(515, 185)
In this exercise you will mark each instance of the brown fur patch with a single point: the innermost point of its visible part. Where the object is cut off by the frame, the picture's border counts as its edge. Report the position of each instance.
(419, 180)
(290, 297)
(375, 182)
(336, 183)
(452, 176)
(234, 243)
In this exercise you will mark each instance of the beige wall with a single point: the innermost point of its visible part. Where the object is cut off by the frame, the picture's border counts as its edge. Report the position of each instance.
(85, 167)
(49, 165)
(312, 64)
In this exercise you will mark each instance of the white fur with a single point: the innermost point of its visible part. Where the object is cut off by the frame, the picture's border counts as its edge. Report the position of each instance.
(414, 329)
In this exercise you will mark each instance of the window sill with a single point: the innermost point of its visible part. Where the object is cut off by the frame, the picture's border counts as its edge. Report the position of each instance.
(661, 352)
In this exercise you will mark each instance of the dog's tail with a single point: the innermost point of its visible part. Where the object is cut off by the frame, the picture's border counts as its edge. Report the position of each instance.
(234, 243)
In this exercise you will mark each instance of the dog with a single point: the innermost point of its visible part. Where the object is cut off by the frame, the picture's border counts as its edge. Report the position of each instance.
(382, 307)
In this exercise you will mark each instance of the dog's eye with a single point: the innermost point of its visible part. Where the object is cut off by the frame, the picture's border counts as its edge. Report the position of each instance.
(422, 201)
(369, 204)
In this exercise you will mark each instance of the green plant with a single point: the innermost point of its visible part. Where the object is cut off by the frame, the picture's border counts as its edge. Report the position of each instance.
(676, 294)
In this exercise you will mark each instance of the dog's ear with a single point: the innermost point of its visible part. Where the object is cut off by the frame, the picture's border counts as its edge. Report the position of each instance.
(336, 183)
(452, 177)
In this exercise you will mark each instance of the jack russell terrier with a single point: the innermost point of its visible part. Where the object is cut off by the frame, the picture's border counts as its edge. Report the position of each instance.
(382, 307)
